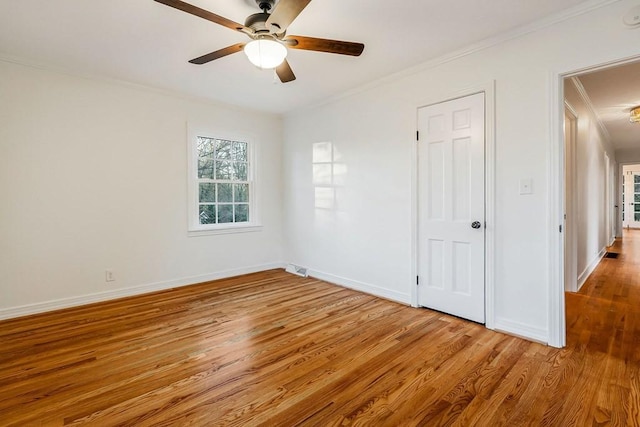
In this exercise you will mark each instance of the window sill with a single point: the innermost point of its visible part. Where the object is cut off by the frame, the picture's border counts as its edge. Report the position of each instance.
(231, 229)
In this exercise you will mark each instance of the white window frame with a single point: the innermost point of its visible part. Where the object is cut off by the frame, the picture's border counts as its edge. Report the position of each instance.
(194, 226)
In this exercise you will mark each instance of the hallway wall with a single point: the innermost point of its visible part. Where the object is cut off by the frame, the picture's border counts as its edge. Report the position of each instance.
(591, 218)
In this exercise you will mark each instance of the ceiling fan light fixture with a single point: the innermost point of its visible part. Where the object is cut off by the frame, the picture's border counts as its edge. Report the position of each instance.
(265, 53)
(634, 115)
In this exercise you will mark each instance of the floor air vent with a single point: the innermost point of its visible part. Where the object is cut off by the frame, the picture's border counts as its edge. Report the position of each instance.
(611, 255)
(297, 270)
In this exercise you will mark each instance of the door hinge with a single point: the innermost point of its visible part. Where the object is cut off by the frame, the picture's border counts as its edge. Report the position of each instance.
(560, 228)
(417, 280)
(417, 135)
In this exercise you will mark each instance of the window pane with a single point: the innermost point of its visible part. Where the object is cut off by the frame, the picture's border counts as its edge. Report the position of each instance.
(636, 188)
(636, 198)
(225, 193)
(223, 149)
(207, 192)
(207, 214)
(205, 147)
(241, 193)
(224, 170)
(636, 207)
(205, 168)
(242, 213)
(636, 179)
(225, 213)
(636, 216)
(240, 151)
(240, 172)
(222, 180)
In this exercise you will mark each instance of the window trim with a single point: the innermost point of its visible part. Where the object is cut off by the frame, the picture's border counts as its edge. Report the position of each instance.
(194, 227)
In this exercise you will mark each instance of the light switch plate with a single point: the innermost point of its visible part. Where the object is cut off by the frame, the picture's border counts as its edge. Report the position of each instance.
(526, 186)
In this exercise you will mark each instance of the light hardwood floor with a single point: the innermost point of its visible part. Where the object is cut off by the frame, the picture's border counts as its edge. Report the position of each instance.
(276, 349)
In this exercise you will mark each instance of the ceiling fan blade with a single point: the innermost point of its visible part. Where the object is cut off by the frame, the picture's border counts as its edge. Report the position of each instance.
(324, 45)
(284, 14)
(285, 73)
(205, 14)
(218, 54)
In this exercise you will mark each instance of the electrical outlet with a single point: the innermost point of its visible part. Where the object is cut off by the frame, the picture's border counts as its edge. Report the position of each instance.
(108, 276)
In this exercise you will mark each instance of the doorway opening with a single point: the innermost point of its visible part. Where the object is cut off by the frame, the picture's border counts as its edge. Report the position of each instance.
(630, 203)
(598, 143)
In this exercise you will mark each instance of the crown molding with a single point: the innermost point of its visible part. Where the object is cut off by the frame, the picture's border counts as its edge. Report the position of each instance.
(101, 78)
(585, 98)
(487, 43)
(538, 25)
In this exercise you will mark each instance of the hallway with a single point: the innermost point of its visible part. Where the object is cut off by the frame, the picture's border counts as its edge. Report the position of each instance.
(603, 337)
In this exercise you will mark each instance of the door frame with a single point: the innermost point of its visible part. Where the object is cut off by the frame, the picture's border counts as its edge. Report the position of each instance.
(556, 307)
(570, 177)
(621, 167)
(488, 88)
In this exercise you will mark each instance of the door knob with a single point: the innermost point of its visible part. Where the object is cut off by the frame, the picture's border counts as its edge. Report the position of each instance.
(476, 224)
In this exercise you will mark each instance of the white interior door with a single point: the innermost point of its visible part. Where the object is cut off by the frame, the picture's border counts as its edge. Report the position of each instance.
(631, 199)
(451, 211)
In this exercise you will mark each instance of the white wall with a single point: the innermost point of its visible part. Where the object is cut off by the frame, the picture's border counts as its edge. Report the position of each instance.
(592, 222)
(93, 176)
(628, 156)
(367, 241)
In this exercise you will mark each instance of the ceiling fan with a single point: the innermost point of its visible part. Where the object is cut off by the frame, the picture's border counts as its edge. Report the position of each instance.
(267, 31)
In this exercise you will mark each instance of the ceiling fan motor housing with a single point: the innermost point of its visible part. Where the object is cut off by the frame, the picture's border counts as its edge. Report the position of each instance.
(257, 22)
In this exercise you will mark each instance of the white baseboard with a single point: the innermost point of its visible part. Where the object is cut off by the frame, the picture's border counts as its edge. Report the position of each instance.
(522, 330)
(41, 307)
(362, 287)
(592, 266)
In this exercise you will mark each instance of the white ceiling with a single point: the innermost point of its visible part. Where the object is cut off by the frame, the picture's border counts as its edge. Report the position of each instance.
(613, 92)
(145, 42)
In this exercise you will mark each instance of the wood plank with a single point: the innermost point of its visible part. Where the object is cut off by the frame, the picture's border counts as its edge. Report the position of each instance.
(275, 349)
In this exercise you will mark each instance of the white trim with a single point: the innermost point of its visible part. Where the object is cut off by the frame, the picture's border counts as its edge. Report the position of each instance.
(414, 214)
(572, 110)
(518, 32)
(556, 314)
(361, 287)
(102, 78)
(619, 223)
(489, 203)
(194, 228)
(25, 310)
(488, 88)
(556, 310)
(230, 229)
(570, 200)
(589, 269)
(521, 330)
(580, 9)
(585, 98)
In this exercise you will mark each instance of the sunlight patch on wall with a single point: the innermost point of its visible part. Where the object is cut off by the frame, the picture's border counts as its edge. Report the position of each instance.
(329, 174)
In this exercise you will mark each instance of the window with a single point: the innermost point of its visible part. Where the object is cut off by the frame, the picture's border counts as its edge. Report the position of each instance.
(221, 184)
